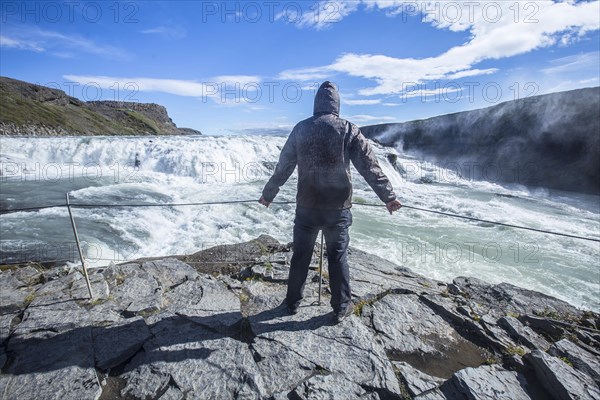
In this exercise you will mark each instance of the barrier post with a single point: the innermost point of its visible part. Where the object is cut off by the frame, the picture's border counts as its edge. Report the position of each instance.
(85, 273)
(320, 269)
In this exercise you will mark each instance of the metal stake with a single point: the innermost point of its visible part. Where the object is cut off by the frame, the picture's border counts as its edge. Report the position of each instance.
(87, 279)
(320, 269)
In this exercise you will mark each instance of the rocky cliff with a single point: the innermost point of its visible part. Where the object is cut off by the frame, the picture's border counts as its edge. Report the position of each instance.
(210, 326)
(33, 110)
(551, 141)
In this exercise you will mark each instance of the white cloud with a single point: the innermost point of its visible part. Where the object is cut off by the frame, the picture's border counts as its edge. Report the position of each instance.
(362, 118)
(35, 39)
(306, 74)
(496, 32)
(424, 93)
(171, 31)
(472, 72)
(20, 44)
(362, 102)
(319, 15)
(574, 63)
(229, 90)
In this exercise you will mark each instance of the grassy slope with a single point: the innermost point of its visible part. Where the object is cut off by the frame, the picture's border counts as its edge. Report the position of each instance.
(74, 117)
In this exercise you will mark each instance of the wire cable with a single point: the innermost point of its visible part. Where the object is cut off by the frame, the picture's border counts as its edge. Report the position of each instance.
(447, 214)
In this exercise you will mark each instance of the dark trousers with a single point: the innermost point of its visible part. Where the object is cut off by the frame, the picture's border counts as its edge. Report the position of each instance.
(334, 224)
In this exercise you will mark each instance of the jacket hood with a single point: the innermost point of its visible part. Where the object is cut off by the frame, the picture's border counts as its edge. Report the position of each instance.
(327, 99)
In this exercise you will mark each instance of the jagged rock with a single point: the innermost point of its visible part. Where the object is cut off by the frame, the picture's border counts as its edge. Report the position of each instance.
(172, 393)
(28, 275)
(170, 272)
(281, 369)
(497, 335)
(416, 381)
(100, 289)
(435, 394)
(332, 387)
(12, 293)
(167, 330)
(505, 297)
(558, 378)
(485, 383)
(55, 273)
(207, 363)
(371, 275)
(218, 308)
(139, 293)
(589, 339)
(144, 380)
(347, 348)
(413, 332)
(543, 326)
(50, 365)
(271, 271)
(523, 334)
(116, 343)
(581, 359)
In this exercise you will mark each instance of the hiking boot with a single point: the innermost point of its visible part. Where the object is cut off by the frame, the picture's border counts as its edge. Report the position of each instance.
(291, 308)
(339, 316)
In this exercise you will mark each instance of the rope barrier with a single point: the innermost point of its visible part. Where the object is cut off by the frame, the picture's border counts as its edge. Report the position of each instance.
(91, 205)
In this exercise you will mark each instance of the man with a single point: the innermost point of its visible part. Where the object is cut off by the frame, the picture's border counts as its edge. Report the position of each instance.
(322, 146)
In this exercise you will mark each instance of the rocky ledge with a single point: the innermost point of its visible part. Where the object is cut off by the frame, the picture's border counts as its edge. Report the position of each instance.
(210, 326)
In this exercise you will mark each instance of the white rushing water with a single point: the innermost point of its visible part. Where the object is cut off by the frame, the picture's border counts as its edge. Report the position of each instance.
(39, 171)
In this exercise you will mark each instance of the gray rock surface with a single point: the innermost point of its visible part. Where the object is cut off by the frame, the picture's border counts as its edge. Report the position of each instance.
(217, 329)
(580, 358)
(416, 381)
(523, 334)
(485, 383)
(560, 379)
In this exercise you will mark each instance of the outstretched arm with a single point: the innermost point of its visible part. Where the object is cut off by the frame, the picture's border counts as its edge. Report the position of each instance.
(363, 158)
(283, 170)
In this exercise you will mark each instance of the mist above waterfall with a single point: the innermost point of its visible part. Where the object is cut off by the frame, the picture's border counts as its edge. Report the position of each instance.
(550, 141)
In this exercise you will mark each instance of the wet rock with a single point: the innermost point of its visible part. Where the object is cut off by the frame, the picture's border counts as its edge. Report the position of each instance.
(558, 378)
(581, 359)
(413, 332)
(488, 382)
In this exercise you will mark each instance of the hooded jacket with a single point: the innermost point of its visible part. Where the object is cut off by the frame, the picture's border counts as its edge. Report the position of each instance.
(322, 147)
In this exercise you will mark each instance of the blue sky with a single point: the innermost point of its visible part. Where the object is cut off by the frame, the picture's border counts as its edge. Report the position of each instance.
(226, 67)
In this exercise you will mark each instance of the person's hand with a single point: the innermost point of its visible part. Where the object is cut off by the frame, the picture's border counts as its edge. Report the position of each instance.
(264, 202)
(393, 205)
